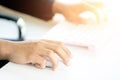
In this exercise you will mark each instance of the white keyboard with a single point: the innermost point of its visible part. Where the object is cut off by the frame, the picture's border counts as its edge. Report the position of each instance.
(81, 35)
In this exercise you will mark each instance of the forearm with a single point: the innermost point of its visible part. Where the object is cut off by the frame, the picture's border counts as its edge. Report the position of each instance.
(5, 49)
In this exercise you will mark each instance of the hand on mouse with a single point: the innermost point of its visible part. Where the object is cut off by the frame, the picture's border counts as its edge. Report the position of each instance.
(35, 52)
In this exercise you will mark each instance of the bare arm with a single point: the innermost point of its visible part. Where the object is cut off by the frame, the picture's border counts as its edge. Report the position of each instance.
(34, 52)
(5, 49)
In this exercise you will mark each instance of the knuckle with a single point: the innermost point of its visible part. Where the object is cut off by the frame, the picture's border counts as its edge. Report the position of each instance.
(58, 47)
(50, 53)
(60, 44)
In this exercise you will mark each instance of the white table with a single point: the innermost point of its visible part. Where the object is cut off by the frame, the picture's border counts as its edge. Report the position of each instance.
(103, 64)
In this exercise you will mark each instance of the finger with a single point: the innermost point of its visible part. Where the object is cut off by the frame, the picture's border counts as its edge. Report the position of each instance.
(53, 59)
(101, 6)
(51, 55)
(38, 60)
(93, 9)
(85, 6)
(37, 65)
(58, 50)
(97, 4)
(67, 51)
(60, 43)
(61, 53)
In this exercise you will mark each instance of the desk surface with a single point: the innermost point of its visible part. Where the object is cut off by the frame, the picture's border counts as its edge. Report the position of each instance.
(103, 64)
(100, 65)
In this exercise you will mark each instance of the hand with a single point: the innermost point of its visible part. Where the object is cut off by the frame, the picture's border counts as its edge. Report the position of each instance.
(72, 11)
(101, 6)
(35, 53)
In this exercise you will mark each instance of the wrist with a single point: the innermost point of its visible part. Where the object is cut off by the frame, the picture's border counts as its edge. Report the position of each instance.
(6, 48)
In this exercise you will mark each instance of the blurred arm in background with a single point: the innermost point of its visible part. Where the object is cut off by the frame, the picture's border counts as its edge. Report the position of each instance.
(45, 9)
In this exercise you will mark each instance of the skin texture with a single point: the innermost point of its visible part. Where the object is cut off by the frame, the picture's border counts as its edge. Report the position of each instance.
(34, 52)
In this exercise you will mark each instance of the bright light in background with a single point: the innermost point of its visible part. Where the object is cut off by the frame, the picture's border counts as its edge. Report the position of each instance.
(111, 8)
(69, 1)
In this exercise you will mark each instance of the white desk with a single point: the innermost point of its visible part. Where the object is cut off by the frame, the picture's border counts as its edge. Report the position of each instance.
(103, 64)
(100, 65)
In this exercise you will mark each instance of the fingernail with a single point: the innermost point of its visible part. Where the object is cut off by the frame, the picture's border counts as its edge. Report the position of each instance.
(68, 64)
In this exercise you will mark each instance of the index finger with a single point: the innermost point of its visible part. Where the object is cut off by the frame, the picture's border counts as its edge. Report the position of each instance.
(60, 43)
